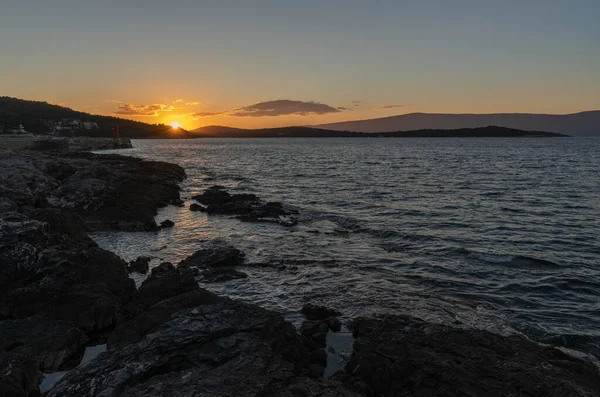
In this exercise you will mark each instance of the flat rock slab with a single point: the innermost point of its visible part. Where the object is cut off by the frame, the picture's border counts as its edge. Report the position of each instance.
(226, 348)
(403, 356)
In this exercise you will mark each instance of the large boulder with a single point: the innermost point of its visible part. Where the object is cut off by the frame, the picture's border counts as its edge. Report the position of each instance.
(399, 355)
(215, 254)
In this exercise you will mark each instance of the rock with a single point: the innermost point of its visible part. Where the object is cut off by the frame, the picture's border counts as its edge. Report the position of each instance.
(20, 376)
(197, 207)
(334, 324)
(220, 275)
(164, 282)
(167, 224)
(140, 265)
(215, 253)
(53, 345)
(107, 191)
(87, 287)
(315, 330)
(319, 357)
(247, 207)
(316, 312)
(134, 329)
(400, 355)
(214, 195)
(221, 348)
(177, 202)
(7, 205)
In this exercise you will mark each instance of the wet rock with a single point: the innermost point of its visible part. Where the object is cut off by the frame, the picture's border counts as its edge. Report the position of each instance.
(334, 324)
(316, 312)
(107, 191)
(319, 357)
(165, 281)
(177, 202)
(7, 205)
(53, 345)
(213, 254)
(140, 265)
(221, 348)
(220, 275)
(316, 330)
(197, 208)
(155, 313)
(20, 376)
(167, 224)
(399, 355)
(246, 207)
(85, 286)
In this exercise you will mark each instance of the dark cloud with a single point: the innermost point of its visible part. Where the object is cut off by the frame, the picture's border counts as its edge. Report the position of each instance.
(343, 108)
(391, 106)
(284, 107)
(143, 110)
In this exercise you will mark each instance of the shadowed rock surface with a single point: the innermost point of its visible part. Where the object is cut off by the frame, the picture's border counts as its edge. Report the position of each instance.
(58, 289)
(140, 265)
(198, 344)
(316, 312)
(246, 207)
(403, 356)
(52, 344)
(20, 376)
(215, 254)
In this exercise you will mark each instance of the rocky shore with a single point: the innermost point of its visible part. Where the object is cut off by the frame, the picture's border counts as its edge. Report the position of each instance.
(61, 293)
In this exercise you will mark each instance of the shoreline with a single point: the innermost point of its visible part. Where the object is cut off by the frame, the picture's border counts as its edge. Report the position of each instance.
(170, 337)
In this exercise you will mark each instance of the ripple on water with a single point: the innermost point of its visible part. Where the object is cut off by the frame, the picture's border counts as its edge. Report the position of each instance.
(384, 235)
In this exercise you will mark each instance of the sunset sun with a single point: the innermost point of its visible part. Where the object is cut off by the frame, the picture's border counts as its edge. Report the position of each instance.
(176, 125)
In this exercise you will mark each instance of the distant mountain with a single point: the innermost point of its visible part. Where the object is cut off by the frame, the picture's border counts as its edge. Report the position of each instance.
(577, 124)
(44, 118)
(309, 132)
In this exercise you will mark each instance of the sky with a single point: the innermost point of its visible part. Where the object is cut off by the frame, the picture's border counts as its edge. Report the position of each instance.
(267, 63)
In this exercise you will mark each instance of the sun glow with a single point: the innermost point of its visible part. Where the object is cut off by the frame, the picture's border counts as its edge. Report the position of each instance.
(175, 125)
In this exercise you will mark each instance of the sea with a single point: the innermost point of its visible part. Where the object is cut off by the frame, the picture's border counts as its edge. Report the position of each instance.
(495, 234)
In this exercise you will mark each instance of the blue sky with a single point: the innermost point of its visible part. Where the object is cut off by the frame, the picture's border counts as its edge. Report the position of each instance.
(370, 58)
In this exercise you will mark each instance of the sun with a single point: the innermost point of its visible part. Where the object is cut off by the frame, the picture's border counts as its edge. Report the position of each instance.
(175, 125)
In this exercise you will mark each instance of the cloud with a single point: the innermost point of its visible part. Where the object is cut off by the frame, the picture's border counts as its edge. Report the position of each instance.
(204, 114)
(391, 106)
(343, 108)
(284, 107)
(143, 110)
(152, 110)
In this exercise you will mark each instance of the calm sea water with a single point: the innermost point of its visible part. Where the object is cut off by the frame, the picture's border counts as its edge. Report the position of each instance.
(496, 234)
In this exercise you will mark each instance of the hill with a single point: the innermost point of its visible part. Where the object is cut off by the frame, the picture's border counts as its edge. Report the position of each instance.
(577, 124)
(44, 118)
(309, 132)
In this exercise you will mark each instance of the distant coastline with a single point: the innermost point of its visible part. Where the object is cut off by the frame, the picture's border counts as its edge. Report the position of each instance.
(309, 132)
(21, 117)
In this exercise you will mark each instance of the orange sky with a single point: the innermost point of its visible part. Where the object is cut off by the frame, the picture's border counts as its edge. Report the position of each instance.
(265, 63)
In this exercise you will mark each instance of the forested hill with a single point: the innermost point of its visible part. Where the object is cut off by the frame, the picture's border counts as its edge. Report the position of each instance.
(309, 132)
(43, 118)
